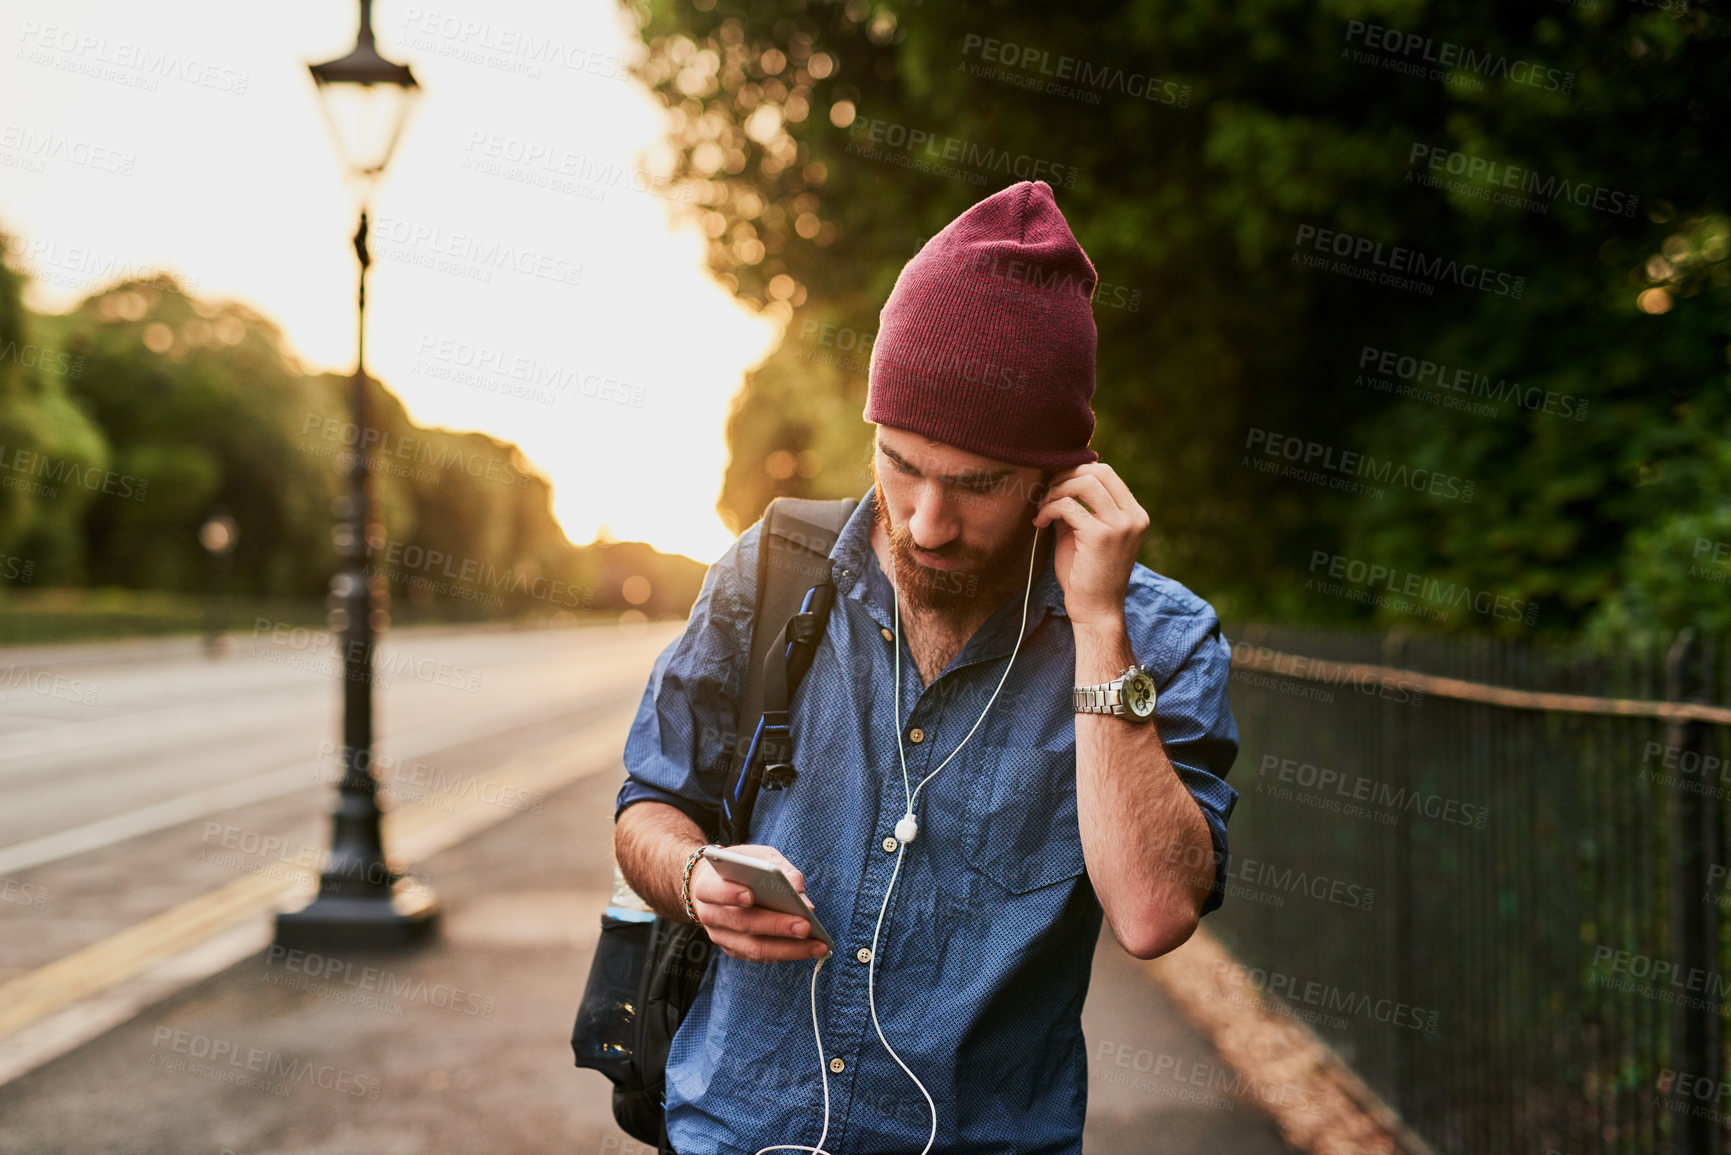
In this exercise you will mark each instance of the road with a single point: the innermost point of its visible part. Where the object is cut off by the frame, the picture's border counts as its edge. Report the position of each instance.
(104, 749)
(142, 781)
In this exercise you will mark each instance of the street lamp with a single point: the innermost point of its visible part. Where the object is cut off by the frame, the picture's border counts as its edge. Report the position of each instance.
(361, 903)
(218, 535)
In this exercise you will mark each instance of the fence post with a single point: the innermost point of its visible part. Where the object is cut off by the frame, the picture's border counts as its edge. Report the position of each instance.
(1695, 1044)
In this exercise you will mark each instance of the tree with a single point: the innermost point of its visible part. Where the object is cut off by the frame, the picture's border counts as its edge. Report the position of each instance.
(48, 448)
(128, 421)
(1213, 160)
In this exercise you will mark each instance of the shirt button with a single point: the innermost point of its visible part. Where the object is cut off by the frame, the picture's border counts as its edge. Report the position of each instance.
(888, 637)
(837, 1066)
(864, 954)
(890, 845)
(916, 735)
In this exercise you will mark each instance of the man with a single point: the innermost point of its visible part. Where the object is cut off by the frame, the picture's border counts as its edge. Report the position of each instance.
(1044, 821)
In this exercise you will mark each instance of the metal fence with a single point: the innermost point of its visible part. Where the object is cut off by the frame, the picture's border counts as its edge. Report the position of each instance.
(1504, 913)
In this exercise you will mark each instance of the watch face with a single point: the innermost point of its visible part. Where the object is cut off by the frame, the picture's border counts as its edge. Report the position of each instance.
(1138, 695)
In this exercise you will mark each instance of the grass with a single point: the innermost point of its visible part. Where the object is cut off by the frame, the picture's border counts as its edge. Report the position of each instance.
(32, 617)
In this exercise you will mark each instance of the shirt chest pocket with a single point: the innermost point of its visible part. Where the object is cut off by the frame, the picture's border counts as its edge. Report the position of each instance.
(1021, 817)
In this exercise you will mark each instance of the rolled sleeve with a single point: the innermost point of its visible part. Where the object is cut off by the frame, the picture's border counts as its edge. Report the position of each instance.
(1200, 735)
(680, 743)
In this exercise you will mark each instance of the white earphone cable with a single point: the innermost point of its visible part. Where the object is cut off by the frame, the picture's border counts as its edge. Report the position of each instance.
(902, 843)
(901, 848)
(822, 1069)
(900, 750)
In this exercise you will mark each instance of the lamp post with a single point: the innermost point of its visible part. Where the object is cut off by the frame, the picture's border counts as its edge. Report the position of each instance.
(218, 535)
(361, 902)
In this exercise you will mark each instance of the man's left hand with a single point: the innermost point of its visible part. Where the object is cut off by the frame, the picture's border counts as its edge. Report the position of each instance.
(1100, 528)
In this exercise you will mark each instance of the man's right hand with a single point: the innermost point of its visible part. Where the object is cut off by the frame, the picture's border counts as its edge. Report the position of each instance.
(744, 931)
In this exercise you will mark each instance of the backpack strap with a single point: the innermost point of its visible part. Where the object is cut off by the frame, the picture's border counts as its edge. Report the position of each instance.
(794, 596)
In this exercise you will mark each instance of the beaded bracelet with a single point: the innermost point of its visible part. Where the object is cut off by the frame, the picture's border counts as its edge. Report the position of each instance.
(685, 880)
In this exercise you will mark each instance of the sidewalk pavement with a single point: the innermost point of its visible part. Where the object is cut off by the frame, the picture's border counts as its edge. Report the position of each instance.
(464, 1047)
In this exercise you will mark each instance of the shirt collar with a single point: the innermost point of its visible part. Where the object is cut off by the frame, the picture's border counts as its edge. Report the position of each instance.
(853, 554)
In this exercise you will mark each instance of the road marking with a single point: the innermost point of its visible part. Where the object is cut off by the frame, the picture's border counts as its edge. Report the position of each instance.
(34, 852)
(412, 834)
(228, 699)
(48, 848)
(158, 721)
(56, 1034)
(121, 956)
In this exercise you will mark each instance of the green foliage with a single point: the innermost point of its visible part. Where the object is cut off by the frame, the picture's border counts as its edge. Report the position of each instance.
(143, 412)
(1195, 205)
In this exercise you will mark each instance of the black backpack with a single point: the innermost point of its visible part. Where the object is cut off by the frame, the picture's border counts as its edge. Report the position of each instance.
(646, 974)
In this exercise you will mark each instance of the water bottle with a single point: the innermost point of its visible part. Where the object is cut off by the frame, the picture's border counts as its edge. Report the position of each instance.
(604, 1037)
(624, 903)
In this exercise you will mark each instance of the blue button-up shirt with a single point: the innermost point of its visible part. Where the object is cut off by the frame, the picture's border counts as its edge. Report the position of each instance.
(985, 952)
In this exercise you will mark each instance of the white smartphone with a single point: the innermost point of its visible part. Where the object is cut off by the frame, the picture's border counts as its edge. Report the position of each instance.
(768, 885)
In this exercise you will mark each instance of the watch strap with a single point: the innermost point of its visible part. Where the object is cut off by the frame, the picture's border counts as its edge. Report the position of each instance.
(1106, 697)
(1099, 699)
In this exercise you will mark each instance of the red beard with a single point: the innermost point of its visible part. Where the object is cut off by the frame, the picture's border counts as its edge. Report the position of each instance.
(974, 578)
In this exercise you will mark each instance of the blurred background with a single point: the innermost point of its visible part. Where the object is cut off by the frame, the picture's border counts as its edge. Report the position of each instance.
(1413, 342)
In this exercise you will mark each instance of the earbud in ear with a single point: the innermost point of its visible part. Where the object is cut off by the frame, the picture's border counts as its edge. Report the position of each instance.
(907, 828)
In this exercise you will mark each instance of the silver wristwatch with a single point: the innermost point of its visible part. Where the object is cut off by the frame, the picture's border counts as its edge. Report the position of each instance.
(1130, 695)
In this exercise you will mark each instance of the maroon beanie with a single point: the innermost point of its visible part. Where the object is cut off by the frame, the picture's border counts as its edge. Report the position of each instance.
(987, 340)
